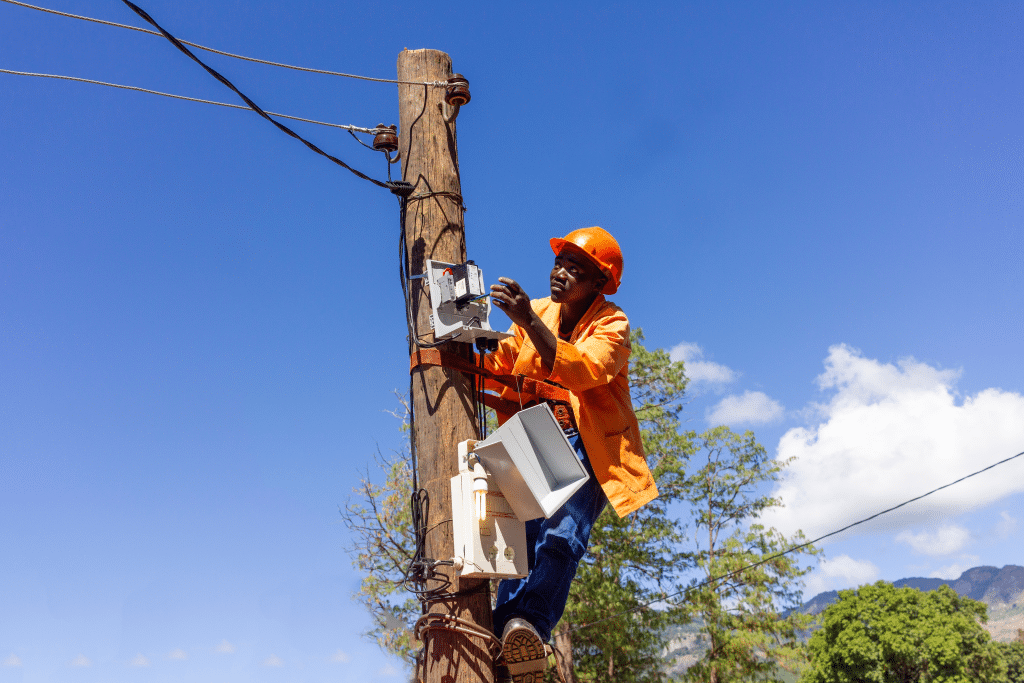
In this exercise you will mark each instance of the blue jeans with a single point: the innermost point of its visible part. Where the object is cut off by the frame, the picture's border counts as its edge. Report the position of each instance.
(554, 548)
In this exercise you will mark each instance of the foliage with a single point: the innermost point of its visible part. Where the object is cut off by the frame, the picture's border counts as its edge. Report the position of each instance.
(382, 545)
(882, 634)
(746, 634)
(1012, 656)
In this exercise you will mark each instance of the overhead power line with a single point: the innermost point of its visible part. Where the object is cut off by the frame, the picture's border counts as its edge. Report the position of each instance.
(716, 579)
(252, 105)
(356, 129)
(221, 52)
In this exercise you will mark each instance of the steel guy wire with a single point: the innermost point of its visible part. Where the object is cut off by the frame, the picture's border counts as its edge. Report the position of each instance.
(252, 105)
(221, 52)
(356, 129)
(776, 556)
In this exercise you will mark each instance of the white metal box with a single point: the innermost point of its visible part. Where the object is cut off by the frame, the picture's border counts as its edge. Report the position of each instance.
(532, 462)
(494, 547)
(459, 305)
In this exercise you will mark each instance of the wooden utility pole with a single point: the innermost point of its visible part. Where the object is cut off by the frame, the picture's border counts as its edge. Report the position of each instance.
(442, 399)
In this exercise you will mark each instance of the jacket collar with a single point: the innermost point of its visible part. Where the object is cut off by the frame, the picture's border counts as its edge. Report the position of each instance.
(598, 302)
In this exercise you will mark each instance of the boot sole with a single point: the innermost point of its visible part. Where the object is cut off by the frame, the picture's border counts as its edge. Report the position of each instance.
(525, 656)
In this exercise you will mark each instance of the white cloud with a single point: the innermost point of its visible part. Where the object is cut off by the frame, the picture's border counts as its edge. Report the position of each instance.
(1007, 524)
(225, 648)
(750, 407)
(80, 661)
(844, 567)
(889, 433)
(178, 653)
(12, 660)
(388, 670)
(140, 660)
(839, 573)
(949, 538)
(954, 570)
(698, 369)
(340, 656)
(273, 660)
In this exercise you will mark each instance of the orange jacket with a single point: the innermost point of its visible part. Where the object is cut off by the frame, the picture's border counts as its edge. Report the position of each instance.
(593, 365)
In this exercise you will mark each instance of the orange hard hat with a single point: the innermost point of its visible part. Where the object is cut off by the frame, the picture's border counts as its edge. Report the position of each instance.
(600, 247)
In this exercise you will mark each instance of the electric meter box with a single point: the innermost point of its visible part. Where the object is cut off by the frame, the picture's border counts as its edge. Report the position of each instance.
(490, 548)
(459, 303)
(468, 282)
(531, 461)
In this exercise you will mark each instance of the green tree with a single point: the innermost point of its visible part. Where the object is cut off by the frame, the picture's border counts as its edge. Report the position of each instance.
(1012, 656)
(744, 627)
(615, 626)
(883, 634)
(634, 560)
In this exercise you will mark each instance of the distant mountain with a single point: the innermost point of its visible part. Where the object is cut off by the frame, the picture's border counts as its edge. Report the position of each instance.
(1000, 589)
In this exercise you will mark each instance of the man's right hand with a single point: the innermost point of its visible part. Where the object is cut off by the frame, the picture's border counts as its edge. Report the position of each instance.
(510, 298)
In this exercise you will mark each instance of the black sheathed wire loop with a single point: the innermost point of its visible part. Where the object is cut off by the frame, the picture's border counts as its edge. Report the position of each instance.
(421, 569)
(252, 105)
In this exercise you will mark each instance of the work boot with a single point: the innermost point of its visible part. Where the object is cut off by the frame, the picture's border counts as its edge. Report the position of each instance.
(523, 651)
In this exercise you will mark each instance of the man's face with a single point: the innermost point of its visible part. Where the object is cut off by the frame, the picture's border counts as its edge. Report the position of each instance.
(574, 277)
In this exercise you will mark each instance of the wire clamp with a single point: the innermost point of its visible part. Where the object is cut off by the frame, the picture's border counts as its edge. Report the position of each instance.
(400, 188)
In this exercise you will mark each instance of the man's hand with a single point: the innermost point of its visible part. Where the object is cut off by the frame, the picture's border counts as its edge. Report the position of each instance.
(510, 298)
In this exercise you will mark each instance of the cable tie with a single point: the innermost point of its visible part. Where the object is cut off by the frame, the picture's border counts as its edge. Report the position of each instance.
(454, 196)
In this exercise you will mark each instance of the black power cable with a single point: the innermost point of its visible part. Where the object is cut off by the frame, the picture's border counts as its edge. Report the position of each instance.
(421, 569)
(252, 105)
(478, 396)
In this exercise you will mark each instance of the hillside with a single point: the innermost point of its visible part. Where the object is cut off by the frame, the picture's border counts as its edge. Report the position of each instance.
(1002, 590)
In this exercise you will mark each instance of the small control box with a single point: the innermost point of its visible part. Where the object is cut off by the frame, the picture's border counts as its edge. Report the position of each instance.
(459, 303)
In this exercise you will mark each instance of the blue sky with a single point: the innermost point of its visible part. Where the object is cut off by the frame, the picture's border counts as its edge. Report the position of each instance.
(820, 206)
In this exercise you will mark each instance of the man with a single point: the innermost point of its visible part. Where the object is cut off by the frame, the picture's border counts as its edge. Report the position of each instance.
(579, 340)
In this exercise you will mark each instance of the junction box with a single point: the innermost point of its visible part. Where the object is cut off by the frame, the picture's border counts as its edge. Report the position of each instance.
(490, 541)
(459, 303)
